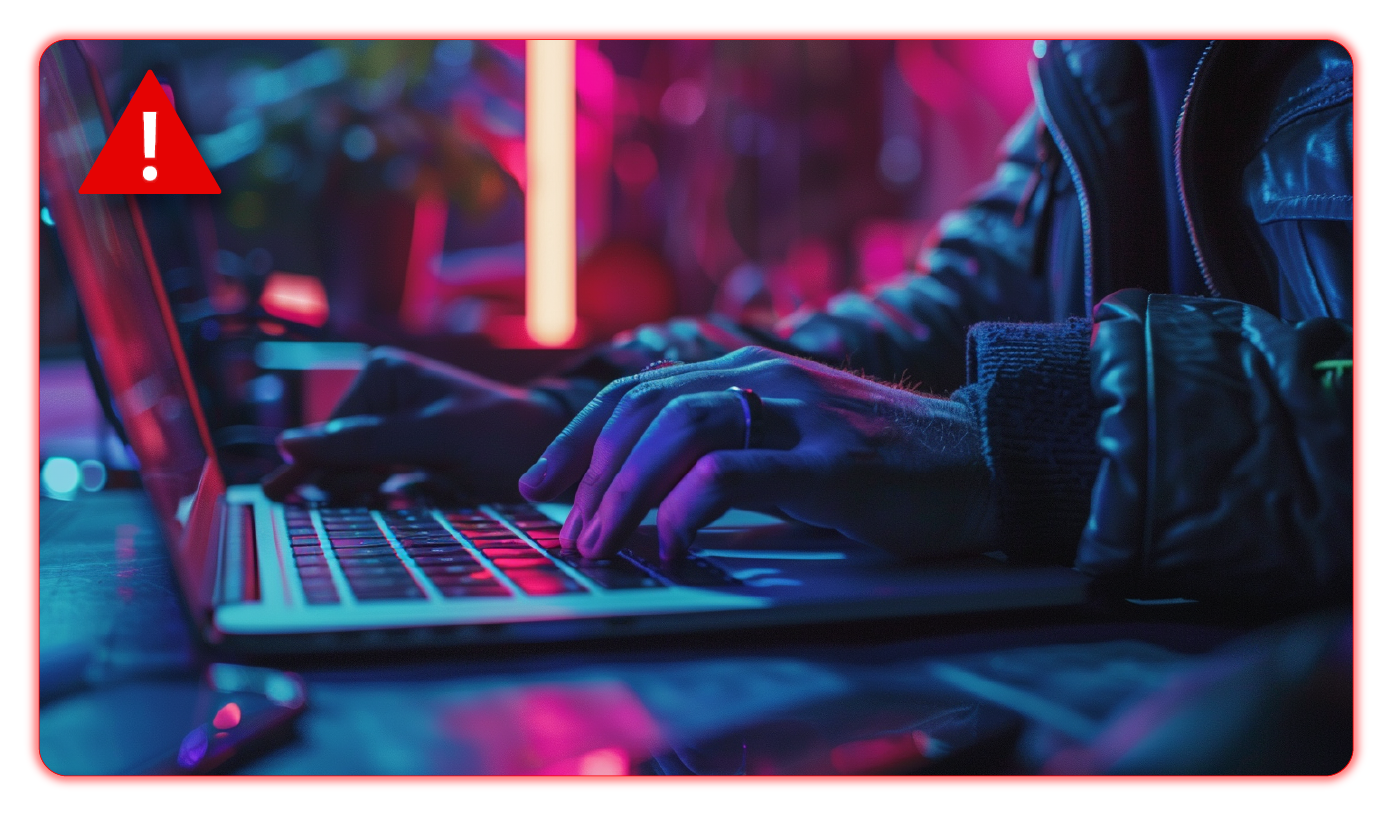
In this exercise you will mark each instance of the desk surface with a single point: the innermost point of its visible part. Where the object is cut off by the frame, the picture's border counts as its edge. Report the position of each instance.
(696, 702)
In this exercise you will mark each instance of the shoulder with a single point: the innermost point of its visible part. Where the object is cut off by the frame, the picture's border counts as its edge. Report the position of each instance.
(1304, 164)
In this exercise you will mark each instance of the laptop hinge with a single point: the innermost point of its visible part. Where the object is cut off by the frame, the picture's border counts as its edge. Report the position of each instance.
(238, 581)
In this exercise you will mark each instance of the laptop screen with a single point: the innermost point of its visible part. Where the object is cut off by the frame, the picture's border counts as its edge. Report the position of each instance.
(113, 270)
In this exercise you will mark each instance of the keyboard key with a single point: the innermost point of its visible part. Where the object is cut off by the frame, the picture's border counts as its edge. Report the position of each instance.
(543, 584)
(366, 553)
(506, 563)
(610, 573)
(359, 569)
(417, 549)
(521, 550)
(501, 534)
(434, 570)
(480, 527)
(475, 591)
(370, 582)
(694, 572)
(455, 559)
(401, 593)
(444, 540)
(614, 578)
(442, 585)
(352, 567)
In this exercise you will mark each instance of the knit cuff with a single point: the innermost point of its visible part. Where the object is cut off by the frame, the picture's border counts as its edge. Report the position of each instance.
(1030, 392)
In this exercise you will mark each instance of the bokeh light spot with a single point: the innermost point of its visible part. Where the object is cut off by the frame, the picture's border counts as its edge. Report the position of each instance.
(60, 477)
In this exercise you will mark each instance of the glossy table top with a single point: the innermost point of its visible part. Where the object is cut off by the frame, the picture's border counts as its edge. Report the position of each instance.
(910, 695)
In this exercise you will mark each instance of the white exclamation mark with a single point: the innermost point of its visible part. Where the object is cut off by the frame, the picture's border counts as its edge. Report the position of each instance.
(149, 172)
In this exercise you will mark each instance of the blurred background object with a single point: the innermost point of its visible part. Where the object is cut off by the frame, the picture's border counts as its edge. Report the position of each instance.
(373, 192)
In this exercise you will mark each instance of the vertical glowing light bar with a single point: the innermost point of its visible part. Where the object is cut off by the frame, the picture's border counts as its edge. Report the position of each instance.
(551, 191)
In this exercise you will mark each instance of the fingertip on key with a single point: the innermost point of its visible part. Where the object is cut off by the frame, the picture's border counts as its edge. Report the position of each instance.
(531, 482)
(282, 481)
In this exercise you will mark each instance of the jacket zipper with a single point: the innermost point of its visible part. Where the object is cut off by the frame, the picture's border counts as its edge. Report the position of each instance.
(1075, 175)
(1185, 209)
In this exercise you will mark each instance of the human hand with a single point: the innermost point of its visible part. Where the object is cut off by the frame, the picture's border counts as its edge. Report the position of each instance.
(880, 464)
(404, 410)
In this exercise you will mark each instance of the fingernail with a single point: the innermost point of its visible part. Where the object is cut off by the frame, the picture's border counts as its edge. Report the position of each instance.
(535, 474)
(590, 540)
(294, 433)
(281, 482)
(571, 530)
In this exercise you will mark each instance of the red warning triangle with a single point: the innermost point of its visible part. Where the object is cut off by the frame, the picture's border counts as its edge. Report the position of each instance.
(149, 151)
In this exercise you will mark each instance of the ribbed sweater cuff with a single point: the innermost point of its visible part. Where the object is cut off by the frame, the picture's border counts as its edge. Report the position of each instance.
(1029, 390)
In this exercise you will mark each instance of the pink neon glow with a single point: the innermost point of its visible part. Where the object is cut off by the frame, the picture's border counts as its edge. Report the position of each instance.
(422, 284)
(299, 298)
(878, 754)
(228, 717)
(881, 247)
(933, 78)
(608, 761)
(578, 728)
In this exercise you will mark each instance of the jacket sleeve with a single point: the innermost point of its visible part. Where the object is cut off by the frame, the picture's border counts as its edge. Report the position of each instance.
(1226, 438)
(1222, 468)
(911, 330)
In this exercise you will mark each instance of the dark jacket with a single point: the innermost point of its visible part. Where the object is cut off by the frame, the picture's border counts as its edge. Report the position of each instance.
(1198, 446)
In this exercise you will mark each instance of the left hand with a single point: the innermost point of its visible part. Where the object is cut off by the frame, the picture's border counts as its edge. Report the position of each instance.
(880, 464)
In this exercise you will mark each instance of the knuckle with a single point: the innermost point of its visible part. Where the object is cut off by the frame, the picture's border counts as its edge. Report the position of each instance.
(641, 396)
(614, 390)
(385, 360)
(752, 353)
(386, 355)
(621, 493)
(712, 471)
(688, 410)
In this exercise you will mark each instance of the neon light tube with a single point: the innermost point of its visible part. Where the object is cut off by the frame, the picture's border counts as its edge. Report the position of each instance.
(551, 191)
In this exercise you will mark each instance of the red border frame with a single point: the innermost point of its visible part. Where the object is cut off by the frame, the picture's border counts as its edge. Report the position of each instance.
(683, 783)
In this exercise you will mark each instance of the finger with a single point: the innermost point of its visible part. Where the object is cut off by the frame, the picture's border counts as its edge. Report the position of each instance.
(569, 455)
(356, 486)
(687, 428)
(718, 482)
(392, 380)
(361, 441)
(635, 413)
(282, 481)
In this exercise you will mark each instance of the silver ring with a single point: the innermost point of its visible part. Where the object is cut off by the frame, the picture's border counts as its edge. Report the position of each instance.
(660, 363)
(753, 409)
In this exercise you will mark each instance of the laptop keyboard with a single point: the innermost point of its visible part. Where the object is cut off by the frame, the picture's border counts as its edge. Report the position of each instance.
(423, 554)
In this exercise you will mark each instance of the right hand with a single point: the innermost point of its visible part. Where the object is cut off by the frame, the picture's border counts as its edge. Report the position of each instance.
(407, 411)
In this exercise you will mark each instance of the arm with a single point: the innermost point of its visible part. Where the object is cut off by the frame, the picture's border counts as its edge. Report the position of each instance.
(1227, 442)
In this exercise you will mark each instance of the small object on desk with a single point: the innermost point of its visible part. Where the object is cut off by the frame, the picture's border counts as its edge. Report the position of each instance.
(173, 726)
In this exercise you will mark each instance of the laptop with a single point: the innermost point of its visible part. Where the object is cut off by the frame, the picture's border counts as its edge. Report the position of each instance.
(262, 577)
